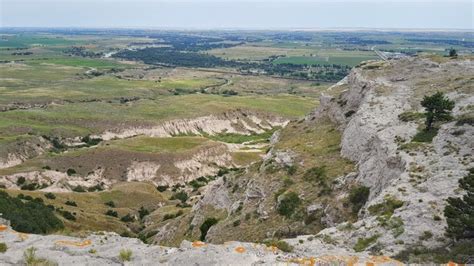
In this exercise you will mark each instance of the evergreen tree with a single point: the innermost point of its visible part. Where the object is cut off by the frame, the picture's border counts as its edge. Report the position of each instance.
(460, 211)
(438, 108)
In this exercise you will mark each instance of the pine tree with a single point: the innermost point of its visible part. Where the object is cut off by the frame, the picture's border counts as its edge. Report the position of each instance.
(460, 211)
(438, 108)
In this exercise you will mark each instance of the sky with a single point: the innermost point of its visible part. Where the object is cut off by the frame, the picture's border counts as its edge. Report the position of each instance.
(240, 14)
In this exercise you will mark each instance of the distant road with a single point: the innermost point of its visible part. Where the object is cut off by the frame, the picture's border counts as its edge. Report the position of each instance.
(380, 54)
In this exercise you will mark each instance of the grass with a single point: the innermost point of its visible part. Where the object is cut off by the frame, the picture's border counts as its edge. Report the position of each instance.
(3, 247)
(125, 255)
(363, 243)
(239, 138)
(30, 258)
(425, 135)
(280, 244)
(159, 145)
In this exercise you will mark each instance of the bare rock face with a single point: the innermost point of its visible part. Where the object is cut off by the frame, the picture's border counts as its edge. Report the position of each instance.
(238, 121)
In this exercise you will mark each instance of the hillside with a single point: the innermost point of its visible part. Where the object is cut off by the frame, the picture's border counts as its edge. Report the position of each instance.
(354, 178)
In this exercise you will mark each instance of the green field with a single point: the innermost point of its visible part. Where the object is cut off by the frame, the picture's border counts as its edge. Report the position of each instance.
(317, 60)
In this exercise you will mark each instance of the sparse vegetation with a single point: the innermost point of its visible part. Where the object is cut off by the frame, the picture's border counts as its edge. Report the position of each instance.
(363, 243)
(30, 258)
(280, 244)
(125, 255)
(387, 207)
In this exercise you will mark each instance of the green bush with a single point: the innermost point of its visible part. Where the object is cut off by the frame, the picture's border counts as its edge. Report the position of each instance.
(70, 172)
(127, 218)
(3, 247)
(315, 174)
(425, 135)
(28, 217)
(204, 228)
(50, 195)
(71, 203)
(288, 204)
(162, 188)
(172, 215)
(291, 170)
(69, 216)
(280, 244)
(111, 213)
(387, 207)
(363, 243)
(358, 196)
(20, 181)
(79, 189)
(142, 212)
(181, 195)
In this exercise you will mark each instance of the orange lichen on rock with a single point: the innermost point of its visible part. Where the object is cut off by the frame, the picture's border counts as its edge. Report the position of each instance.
(384, 259)
(273, 249)
(3, 227)
(198, 244)
(240, 249)
(80, 244)
(303, 261)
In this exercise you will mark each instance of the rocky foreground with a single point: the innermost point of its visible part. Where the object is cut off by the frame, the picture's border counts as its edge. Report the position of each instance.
(105, 249)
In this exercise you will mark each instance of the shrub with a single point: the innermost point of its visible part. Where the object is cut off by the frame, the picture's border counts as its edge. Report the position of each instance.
(181, 195)
(28, 217)
(363, 243)
(349, 113)
(236, 223)
(111, 204)
(111, 213)
(426, 235)
(280, 244)
(291, 170)
(358, 196)
(3, 247)
(125, 255)
(288, 205)
(70, 172)
(425, 135)
(50, 195)
(127, 218)
(162, 188)
(30, 186)
(387, 207)
(315, 174)
(204, 228)
(20, 181)
(67, 215)
(142, 212)
(79, 189)
(71, 203)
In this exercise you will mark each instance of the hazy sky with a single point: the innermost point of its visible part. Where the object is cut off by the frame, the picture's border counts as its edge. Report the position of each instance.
(238, 14)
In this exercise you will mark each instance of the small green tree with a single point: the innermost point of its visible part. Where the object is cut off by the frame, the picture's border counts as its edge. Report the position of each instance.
(460, 211)
(453, 52)
(438, 108)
